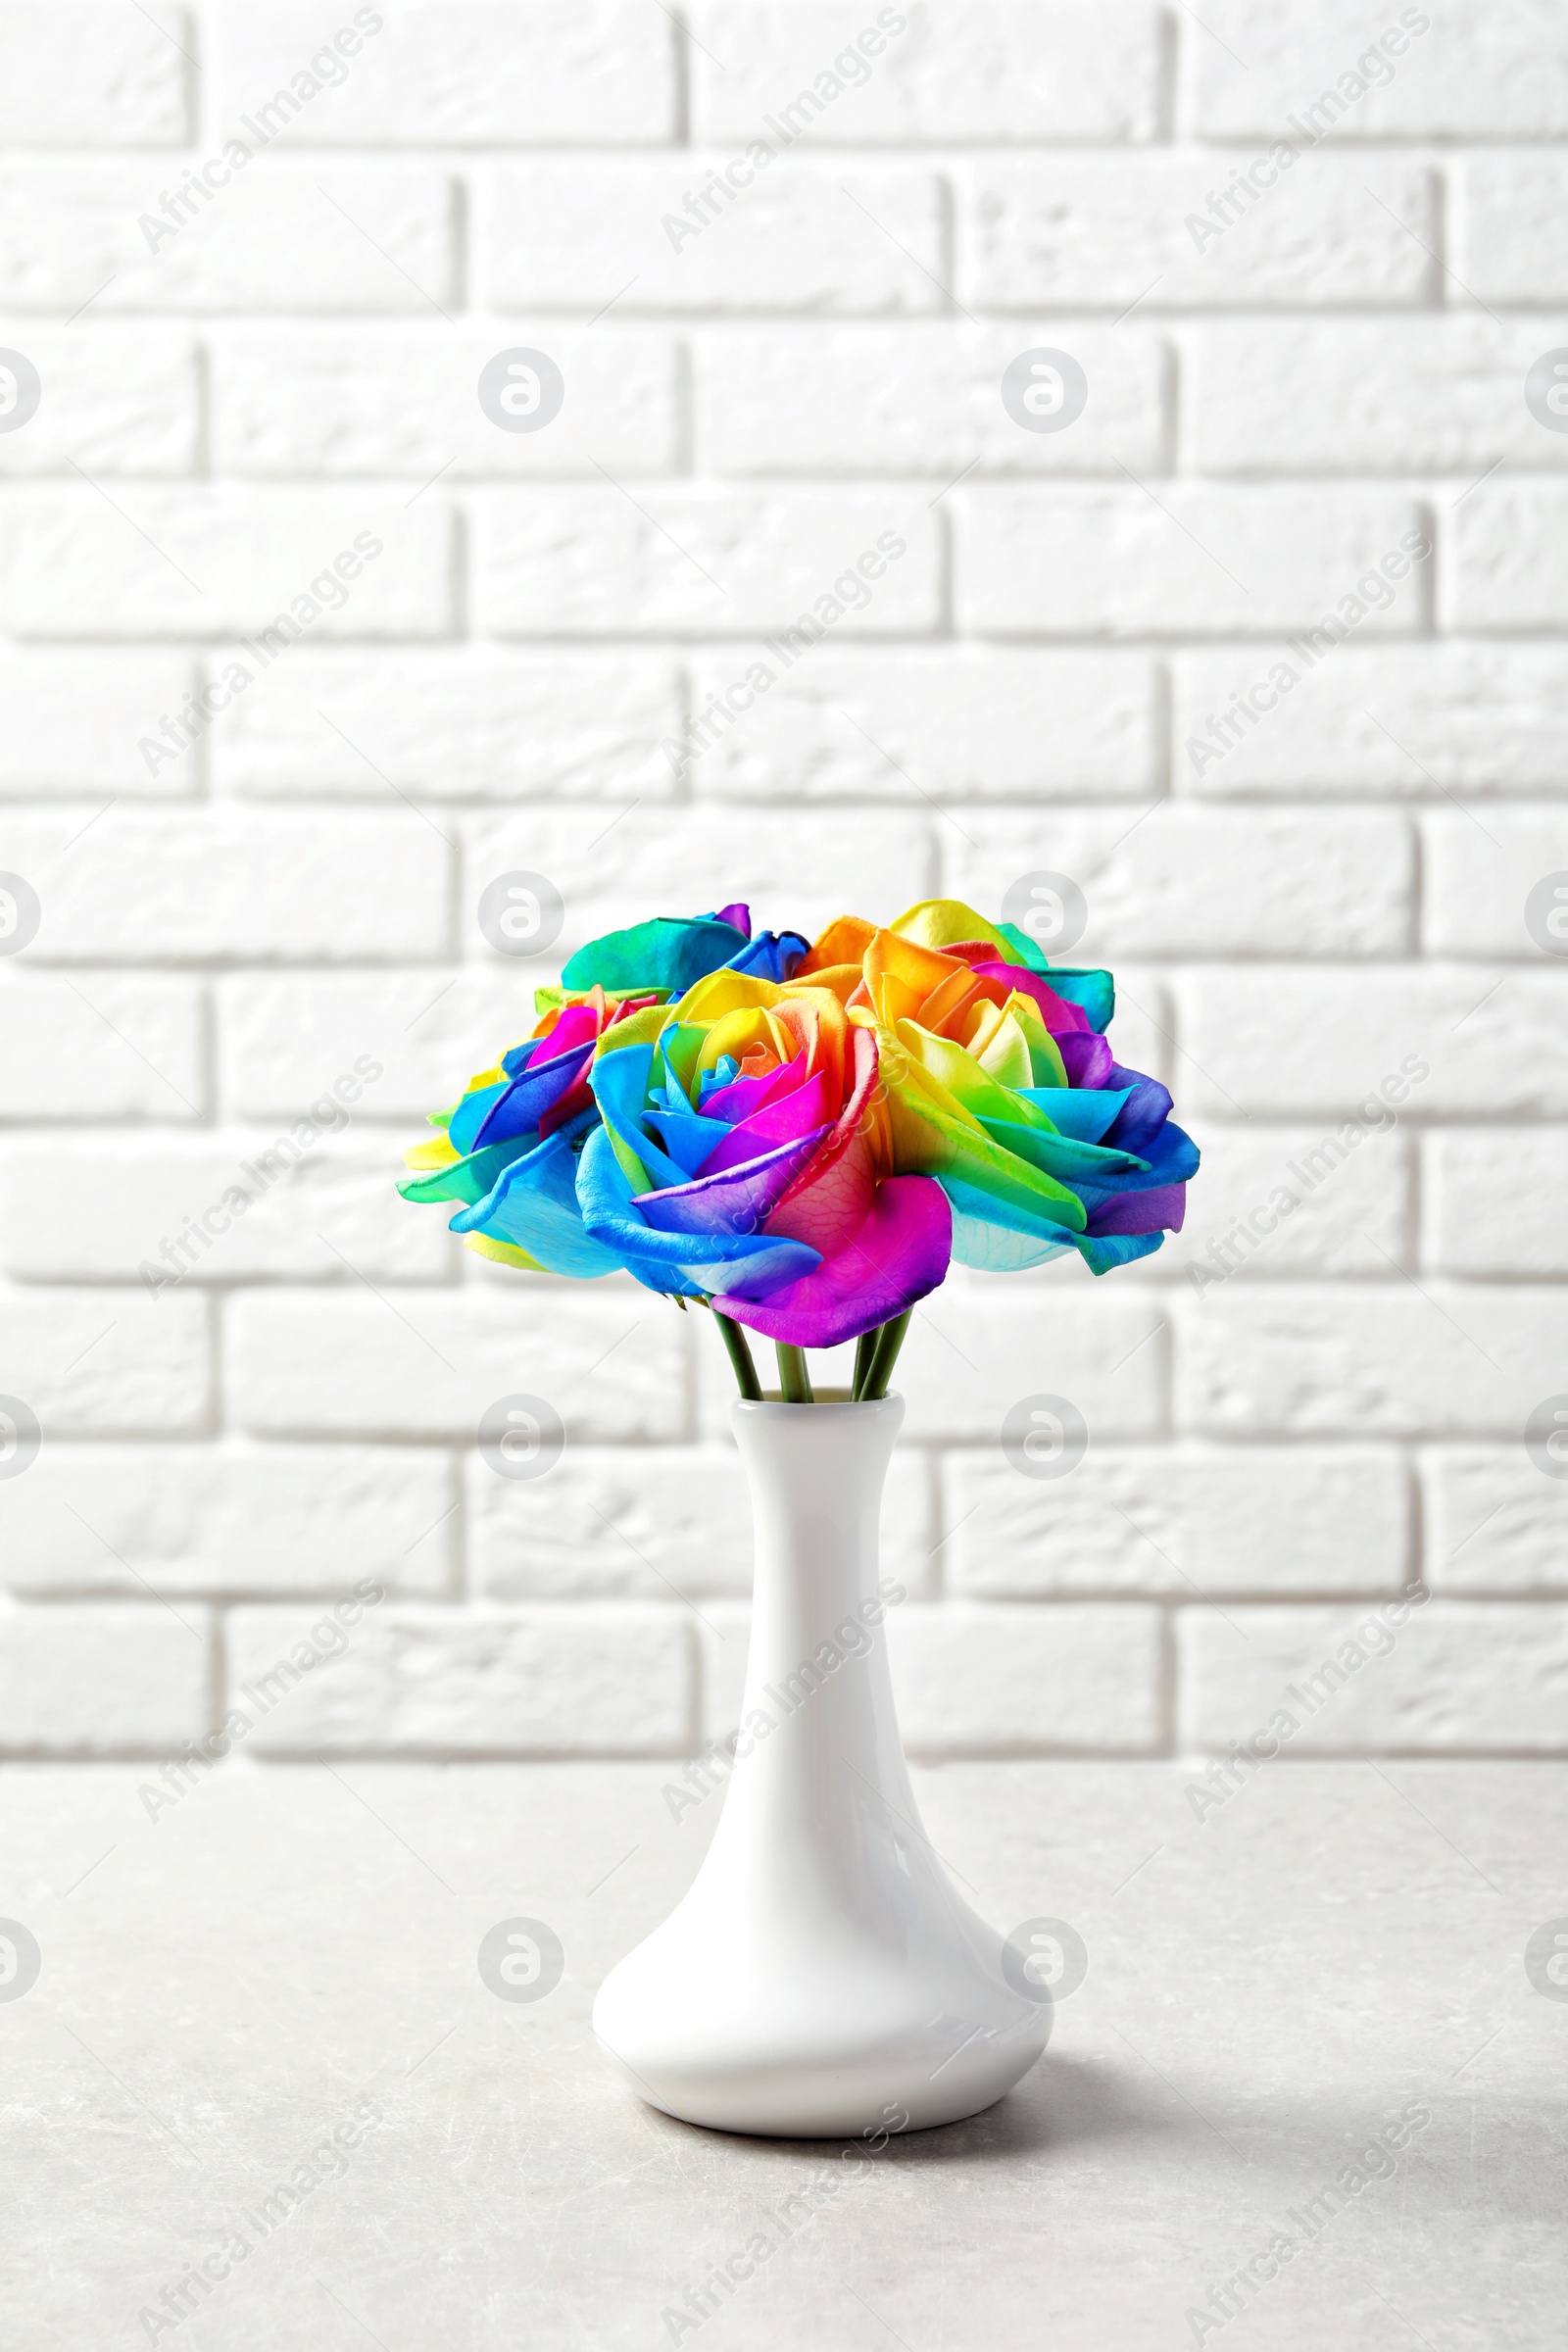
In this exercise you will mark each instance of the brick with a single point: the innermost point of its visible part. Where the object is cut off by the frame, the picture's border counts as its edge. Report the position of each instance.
(1497, 1201)
(287, 1039)
(1260, 1521)
(110, 402)
(1386, 1360)
(1492, 1040)
(589, 1681)
(1396, 721)
(653, 1524)
(379, 238)
(797, 877)
(1465, 1675)
(545, 75)
(1101, 231)
(1182, 881)
(1133, 562)
(611, 1362)
(1480, 874)
(466, 723)
(74, 716)
(1001, 72)
(705, 561)
(1389, 396)
(105, 1209)
(1274, 1204)
(107, 1363)
(962, 722)
(108, 1047)
(974, 1680)
(100, 1680)
(1494, 1523)
(1465, 74)
(1507, 569)
(832, 240)
(1506, 207)
(920, 399)
(229, 1520)
(232, 886)
(394, 401)
(83, 73)
(217, 559)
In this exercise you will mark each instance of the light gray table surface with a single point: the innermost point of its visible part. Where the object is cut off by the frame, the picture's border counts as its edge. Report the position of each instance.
(290, 1948)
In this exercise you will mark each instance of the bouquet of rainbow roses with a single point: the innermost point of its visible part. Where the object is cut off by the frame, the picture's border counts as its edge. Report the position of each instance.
(802, 1136)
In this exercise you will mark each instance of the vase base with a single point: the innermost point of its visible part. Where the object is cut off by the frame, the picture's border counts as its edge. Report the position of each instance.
(847, 2102)
(891, 2050)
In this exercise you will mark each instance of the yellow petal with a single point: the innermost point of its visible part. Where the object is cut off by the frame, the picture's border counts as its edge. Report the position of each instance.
(943, 923)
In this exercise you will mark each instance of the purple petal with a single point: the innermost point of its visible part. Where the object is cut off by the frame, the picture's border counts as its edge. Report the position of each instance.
(1085, 1057)
(805, 1111)
(743, 1095)
(1158, 1211)
(735, 1202)
(898, 1254)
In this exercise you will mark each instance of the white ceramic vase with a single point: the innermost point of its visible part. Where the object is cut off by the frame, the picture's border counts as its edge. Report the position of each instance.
(822, 1976)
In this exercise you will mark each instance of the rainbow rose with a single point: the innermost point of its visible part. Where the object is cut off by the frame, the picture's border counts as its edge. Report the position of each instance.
(1001, 1087)
(802, 1138)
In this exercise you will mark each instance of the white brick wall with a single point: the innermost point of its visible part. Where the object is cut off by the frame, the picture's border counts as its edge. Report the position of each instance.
(228, 928)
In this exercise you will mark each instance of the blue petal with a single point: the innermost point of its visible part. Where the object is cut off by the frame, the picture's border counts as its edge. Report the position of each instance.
(619, 1082)
(1000, 1235)
(533, 1204)
(687, 1138)
(770, 955)
(693, 1263)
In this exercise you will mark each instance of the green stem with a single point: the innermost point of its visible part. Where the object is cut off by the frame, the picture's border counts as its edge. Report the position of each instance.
(740, 1355)
(794, 1380)
(865, 1350)
(889, 1339)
